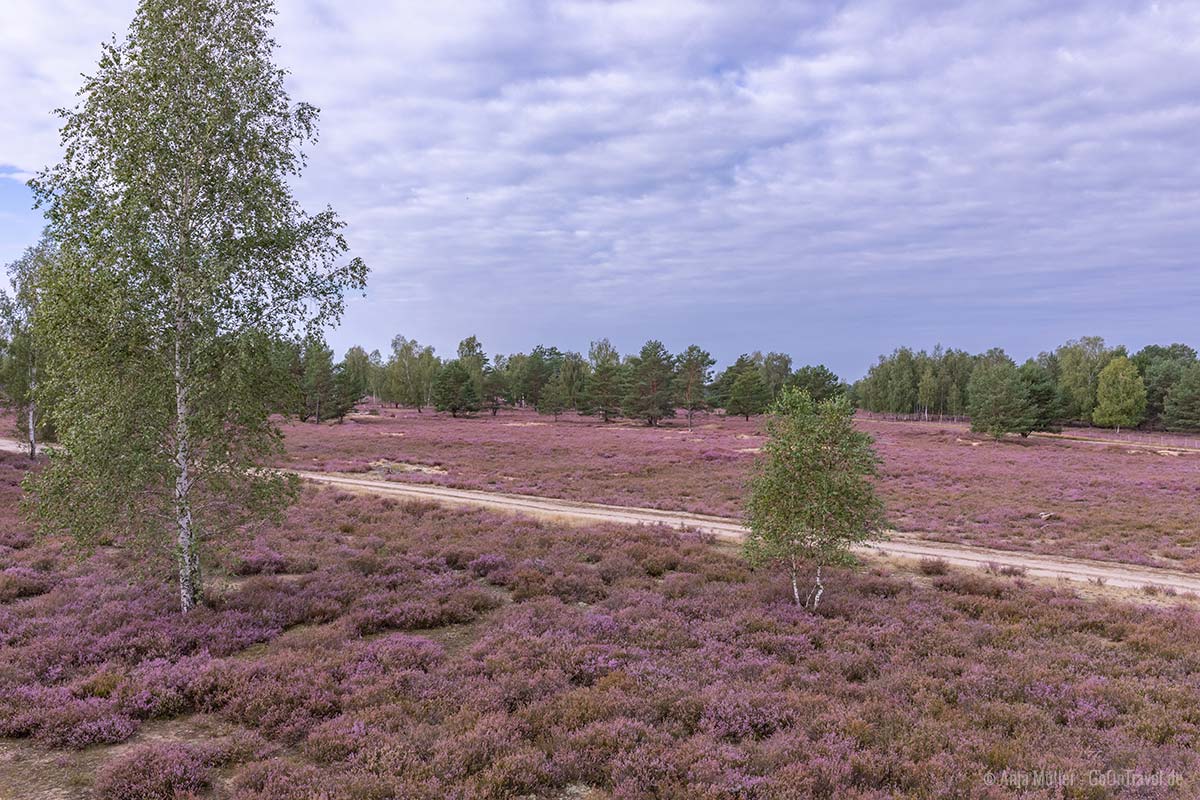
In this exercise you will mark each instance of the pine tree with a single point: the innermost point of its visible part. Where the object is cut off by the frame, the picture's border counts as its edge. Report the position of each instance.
(496, 389)
(722, 387)
(357, 366)
(1045, 403)
(454, 390)
(604, 390)
(317, 381)
(346, 391)
(694, 371)
(1182, 410)
(749, 395)
(1161, 367)
(650, 394)
(820, 382)
(554, 398)
(998, 401)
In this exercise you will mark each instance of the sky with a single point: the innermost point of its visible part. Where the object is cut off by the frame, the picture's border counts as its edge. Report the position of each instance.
(830, 180)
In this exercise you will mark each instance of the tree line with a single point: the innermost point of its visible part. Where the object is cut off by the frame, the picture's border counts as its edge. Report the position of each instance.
(650, 385)
(1082, 382)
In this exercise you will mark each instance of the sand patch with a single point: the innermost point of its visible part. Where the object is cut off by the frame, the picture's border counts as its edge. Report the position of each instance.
(389, 467)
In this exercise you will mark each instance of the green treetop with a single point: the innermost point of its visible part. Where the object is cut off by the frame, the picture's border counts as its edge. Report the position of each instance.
(749, 395)
(1120, 395)
(181, 247)
(812, 497)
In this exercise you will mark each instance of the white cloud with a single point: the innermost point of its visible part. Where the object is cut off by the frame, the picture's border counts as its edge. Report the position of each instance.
(515, 167)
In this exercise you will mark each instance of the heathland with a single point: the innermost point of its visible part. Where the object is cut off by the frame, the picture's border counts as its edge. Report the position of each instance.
(1119, 501)
(365, 648)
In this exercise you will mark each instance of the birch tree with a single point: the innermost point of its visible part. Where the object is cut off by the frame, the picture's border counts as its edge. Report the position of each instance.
(181, 247)
(21, 361)
(812, 496)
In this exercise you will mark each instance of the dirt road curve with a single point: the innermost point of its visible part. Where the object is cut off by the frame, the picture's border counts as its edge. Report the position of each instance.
(1109, 574)
(9, 446)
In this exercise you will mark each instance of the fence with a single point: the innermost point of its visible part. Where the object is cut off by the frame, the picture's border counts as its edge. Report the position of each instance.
(1138, 437)
(878, 415)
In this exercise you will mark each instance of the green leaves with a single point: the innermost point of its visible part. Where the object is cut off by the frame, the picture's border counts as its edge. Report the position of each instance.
(1183, 403)
(183, 251)
(812, 497)
(1120, 395)
(454, 389)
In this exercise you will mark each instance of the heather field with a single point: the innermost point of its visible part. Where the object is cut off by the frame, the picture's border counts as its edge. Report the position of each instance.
(1118, 502)
(370, 649)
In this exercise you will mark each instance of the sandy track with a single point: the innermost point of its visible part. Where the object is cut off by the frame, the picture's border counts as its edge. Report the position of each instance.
(1034, 565)
(11, 446)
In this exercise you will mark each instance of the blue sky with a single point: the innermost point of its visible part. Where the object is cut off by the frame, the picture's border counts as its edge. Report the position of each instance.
(826, 179)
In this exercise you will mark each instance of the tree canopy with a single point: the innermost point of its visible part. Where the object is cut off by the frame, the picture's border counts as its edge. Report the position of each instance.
(650, 392)
(181, 248)
(999, 399)
(749, 395)
(1120, 395)
(812, 497)
(454, 389)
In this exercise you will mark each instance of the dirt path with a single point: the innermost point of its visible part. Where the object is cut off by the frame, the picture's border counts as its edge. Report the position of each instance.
(11, 446)
(1033, 565)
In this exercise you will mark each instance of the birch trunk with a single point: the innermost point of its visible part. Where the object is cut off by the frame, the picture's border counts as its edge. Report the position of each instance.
(190, 585)
(189, 556)
(32, 411)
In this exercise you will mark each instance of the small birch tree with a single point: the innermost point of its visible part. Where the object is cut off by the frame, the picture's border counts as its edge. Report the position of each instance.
(20, 364)
(181, 250)
(812, 498)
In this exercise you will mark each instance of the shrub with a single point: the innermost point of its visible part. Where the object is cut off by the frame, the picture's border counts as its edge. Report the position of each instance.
(278, 779)
(156, 772)
(932, 566)
(18, 582)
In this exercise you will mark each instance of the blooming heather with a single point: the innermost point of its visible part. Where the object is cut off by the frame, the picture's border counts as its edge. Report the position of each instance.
(1113, 502)
(426, 652)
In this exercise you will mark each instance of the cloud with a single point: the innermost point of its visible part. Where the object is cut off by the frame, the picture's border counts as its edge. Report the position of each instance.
(831, 179)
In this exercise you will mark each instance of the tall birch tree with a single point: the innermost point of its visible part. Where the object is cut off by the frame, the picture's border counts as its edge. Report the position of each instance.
(181, 247)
